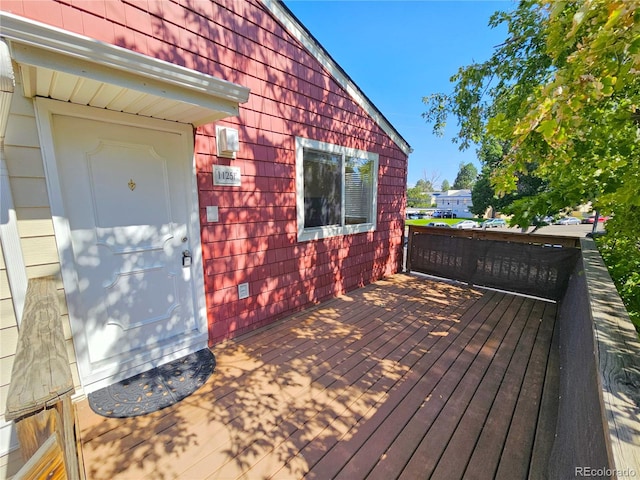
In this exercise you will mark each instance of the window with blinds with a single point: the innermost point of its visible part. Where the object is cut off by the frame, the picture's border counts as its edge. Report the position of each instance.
(337, 189)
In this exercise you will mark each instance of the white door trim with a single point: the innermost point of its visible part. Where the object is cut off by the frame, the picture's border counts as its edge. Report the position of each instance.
(45, 110)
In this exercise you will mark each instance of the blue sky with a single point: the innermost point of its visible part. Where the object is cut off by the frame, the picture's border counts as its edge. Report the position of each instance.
(400, 51)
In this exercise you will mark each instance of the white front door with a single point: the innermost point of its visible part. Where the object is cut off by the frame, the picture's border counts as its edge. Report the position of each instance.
(126, 192)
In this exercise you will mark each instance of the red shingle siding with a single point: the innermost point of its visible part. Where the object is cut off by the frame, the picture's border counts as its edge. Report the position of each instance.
(255, 239)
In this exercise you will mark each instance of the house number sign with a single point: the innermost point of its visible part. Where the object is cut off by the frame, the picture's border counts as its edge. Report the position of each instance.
(229, 176)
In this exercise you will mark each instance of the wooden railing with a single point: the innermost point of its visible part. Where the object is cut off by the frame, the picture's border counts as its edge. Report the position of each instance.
(502, 235)
(39, 397)
(598, 417)
(592, 404)
(537, 265)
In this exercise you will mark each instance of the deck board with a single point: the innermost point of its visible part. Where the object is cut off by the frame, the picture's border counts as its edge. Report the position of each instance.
(518, 448)
(405, 378)
(456, 390)
(439, 378)
(468, 430)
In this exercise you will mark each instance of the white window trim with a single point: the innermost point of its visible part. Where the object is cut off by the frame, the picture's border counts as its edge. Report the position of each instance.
(315, 233)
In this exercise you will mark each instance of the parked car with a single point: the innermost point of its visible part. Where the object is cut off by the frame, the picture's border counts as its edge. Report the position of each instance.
(466, 224)
(494, 222)
(444, 214)
(438, 224)
(542, 221)
(568, 221)
(592, 219)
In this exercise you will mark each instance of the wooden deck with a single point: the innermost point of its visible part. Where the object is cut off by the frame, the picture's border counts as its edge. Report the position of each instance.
(406, 378)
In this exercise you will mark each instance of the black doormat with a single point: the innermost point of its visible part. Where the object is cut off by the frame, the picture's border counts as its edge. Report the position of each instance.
(155, 389)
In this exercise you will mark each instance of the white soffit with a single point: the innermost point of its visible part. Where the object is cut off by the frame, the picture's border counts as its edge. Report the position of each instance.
(299, 32)
(73, 68)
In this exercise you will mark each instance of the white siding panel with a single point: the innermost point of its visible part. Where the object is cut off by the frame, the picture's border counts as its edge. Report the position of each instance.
(159, 108)
(63, 303)
(140, 104)
(124, 99)
(8, 345)
(31, 202)
(7, 314)
(29, 192)
(5, 292)
(64, 85)
(9, 464)
(75, 374)
(41, 227)
(66, 327)
(45, 270)
(33, 213)
(4, 390)
(85, 90)
(44, 78)
(6, 364)
(24, 161)
(105, 95)
(22, 131)
(21, 105)
(39, 250)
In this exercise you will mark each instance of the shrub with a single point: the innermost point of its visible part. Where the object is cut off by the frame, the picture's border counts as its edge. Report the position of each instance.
(621, 254)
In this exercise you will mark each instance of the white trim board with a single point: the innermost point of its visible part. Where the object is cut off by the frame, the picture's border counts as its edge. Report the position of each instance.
(9, 235)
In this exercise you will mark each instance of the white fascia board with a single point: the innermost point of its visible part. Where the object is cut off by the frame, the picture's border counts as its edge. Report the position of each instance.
(311, 44)
(56, 61)
(89, 52)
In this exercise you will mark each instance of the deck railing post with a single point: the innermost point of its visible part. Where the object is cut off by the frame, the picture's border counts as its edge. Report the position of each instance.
(39, 396)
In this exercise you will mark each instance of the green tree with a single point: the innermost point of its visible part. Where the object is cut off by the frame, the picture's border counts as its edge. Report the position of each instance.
(420, 194)
(466, 177)
(563, 91)
(445, 185)
(483, 194)
(425, 186)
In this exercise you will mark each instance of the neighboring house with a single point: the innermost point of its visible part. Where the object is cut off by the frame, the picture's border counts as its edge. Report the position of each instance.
(458, 201)
(190, 170)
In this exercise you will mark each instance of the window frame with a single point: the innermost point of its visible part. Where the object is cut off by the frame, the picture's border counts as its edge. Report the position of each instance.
(315, 233)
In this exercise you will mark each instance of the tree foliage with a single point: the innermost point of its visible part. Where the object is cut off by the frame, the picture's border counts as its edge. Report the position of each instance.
(622, 257)
(563, 92)
(424, 186)
(420, 195)
(483, 195)
(528, 185)
(466, 177)
(445, 185)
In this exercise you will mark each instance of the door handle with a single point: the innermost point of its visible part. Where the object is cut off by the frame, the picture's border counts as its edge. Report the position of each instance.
(186, 258)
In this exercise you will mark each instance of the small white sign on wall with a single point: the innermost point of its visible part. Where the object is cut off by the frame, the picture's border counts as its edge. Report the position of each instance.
(229, 176)
(243, 291)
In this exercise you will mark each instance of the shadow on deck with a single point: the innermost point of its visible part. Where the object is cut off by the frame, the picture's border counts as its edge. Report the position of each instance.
(405, 378)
